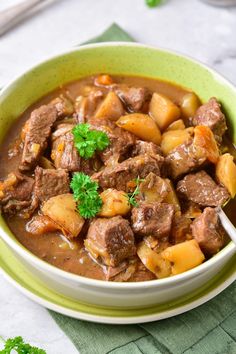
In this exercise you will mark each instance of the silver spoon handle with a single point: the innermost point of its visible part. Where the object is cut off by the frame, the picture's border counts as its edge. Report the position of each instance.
(10, 17)
(227, 225)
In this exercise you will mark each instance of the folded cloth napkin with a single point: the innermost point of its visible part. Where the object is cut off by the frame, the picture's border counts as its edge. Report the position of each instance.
(208, 329)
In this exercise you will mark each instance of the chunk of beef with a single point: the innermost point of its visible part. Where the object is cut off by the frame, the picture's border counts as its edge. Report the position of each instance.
(152, 219)
(49, 183)
(120, 176)
(210, 115)
(90, 166)
(142, 273)
(38, 131)
(180, 230)
(63, 105)
(154, 188)
(123, 272)
(134, 98)
(182, 159)
(121, 141)
(111, 239)
(64, 153)
(85, 106)
(144, 147)
(197, 150)
(112, 272)
(200, 188)
(41, 224)
(16, 195)
(208, 232)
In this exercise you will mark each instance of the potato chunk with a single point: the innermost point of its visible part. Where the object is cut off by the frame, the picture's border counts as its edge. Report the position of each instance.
(163, 110)
(189, 105)
(226, 173)
(62, 210)
(183, 256)
(176, 125)
(114, 203)
(153, 261)
(142, 126)
(110, 108)
(173, 138)
(41, 224)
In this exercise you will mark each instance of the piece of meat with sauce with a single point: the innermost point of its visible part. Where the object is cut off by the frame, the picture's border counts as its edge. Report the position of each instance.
(208, 232)
(120, 176)
(92, 165)
(123, 272)
(121, 141)
(154, 188)
(182, 160)
(199, 150)
(63, 105)
(49, 183)
(200, 188)
(111, 240)
(85, 106)
(134, 98)
(153, 219)
(36, 135)
(16, 195)
(64, 154)
(142, 273)
(210, 115)
(145, 147)
(180, 230)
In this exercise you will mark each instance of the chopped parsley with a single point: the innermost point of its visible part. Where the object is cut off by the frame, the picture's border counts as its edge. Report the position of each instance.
(19, 346)
(88, 141)
(85, 192)
(132, 196)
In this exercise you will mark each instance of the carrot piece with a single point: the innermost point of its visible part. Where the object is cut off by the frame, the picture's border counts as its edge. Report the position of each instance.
(205, 143)
(103, 80)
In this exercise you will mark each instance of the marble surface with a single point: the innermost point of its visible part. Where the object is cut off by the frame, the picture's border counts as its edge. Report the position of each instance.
(191, 27)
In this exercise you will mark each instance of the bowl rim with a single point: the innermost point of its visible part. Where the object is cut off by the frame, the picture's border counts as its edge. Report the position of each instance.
(41, 264)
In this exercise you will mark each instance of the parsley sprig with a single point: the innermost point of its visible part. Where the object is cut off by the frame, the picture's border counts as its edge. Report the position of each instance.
(132, 195)
(86, 195)
(88, 141)
(19, 346)
(153, 3)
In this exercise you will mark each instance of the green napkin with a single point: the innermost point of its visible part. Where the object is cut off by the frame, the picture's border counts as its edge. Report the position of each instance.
(209, 329)
(113, 33)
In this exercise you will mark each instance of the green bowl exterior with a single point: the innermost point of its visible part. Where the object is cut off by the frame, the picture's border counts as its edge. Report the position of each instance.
(116, 59)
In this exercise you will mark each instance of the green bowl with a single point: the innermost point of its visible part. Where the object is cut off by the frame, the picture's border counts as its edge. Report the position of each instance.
(115, 59)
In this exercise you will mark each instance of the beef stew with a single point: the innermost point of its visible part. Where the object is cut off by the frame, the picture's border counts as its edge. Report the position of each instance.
(118, 178)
